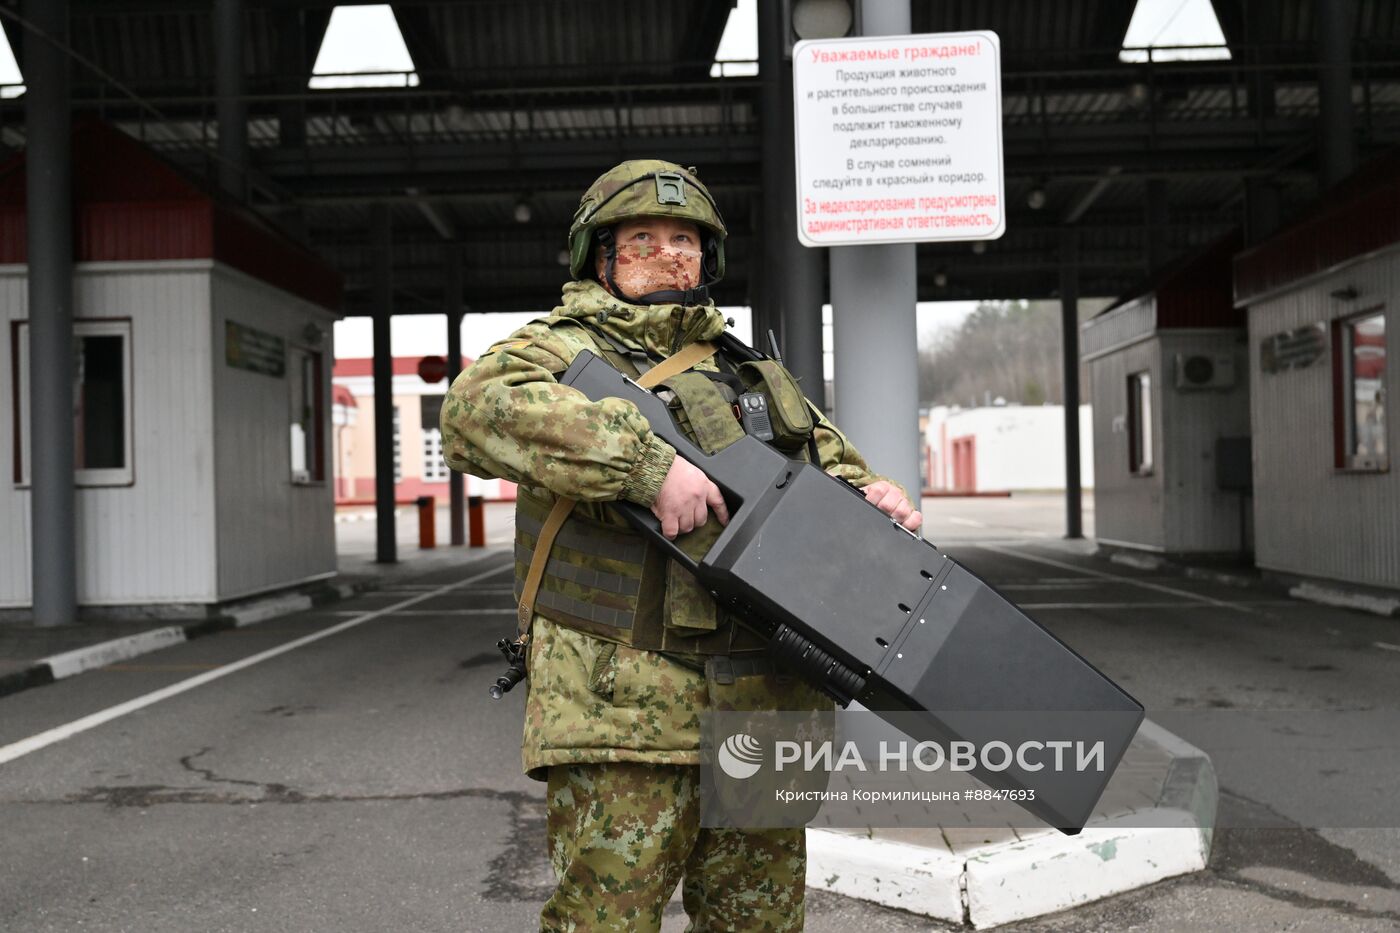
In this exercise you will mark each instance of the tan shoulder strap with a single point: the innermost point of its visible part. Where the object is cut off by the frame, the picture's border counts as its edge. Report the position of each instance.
(687, 357)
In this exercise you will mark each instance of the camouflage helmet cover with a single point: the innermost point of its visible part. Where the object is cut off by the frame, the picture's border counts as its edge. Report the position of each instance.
(643, 188)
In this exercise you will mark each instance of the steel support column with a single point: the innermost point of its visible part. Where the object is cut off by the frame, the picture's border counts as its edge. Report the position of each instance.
(382, 237)
(292, 66)
(49, 232)
(452, 288)
(875, 335)
(231, 107)
(793, 283)
(1069, 344)
(1336, 142)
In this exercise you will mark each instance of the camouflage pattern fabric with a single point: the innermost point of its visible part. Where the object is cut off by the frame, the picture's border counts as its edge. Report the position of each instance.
(621, 836)
(506, 416)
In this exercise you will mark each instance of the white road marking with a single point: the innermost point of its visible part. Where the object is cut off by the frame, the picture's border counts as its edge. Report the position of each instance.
(509, 611)
(1386, 645)
(973, 523)
(59, 733)
(1156, 587)
(1163, 605)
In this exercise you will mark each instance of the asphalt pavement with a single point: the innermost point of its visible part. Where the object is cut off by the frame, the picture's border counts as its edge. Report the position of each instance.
(343, 768)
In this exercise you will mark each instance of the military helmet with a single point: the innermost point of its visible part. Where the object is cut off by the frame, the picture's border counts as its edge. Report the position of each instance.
(646, 188)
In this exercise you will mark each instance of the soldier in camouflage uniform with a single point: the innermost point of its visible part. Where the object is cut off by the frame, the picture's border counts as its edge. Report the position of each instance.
(625, 648)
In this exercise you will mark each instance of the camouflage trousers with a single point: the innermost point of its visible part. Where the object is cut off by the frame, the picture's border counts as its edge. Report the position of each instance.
(623, 834)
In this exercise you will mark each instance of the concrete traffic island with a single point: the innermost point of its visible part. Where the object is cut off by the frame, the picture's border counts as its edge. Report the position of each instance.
(1155, 821)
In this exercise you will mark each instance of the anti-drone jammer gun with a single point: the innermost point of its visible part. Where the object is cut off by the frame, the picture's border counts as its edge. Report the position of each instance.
(867, 611)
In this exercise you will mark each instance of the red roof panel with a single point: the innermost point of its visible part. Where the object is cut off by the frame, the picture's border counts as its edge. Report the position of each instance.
(132, 205)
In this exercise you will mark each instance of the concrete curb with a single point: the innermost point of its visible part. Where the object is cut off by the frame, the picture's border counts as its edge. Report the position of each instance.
(1043, 873)
(1346, 599)
(913, 878)
(67, 663)
(1362, 598)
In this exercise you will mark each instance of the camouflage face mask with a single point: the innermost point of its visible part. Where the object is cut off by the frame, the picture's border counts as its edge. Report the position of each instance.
(642, 268)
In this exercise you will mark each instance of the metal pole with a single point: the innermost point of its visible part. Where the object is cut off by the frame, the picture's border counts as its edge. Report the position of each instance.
(381, 234)
(765, 289)
(1336, 142)
(874, 332)
(794, 293)
(48, 168)
(1069, 343)
(291, 63)
(452, 304)
(231, 109)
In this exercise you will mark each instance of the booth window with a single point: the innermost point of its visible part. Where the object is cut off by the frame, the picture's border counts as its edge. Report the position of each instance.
(435, 469)
(308, 416)
(1140, 423)
(1359, 365)
(398, 453)
(102, 406)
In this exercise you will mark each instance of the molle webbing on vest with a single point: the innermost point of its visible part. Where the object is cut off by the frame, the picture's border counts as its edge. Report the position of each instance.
(604, 542)
(610, 584)
(603, 578)
(597, 578)
(552, 523)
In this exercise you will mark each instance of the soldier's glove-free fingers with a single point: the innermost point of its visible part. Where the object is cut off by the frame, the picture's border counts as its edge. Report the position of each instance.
(888, 499)
(683, 499)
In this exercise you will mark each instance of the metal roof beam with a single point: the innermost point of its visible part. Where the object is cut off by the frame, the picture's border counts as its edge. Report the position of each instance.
(433, 213)
(107, 7)
(1087, 199)
(703, 41)
(425, 47)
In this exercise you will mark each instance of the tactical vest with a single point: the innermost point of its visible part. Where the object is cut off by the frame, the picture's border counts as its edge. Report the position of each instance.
(604, 578)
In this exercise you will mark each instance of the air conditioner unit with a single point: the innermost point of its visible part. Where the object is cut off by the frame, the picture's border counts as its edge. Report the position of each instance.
(1205, 371)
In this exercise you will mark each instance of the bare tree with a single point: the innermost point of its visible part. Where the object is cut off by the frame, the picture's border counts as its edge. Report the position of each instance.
(1006, 349)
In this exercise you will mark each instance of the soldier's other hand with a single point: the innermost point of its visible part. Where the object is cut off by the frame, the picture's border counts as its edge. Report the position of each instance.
(685, 499)
(888, 499)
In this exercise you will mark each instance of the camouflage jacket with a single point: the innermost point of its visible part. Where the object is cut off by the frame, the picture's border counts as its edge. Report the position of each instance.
(506, 416)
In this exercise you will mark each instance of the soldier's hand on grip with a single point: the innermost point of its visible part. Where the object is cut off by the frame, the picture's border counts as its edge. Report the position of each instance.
(888, 499)
(685, 499)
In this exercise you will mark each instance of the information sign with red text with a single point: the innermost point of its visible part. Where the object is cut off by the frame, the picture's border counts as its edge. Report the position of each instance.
(899, 139)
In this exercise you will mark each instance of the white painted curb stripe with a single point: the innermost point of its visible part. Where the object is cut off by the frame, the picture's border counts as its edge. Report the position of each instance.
(59, 733)
(925, 881)
(1014, 881)
(1345, 599)
(1138, 561)
(271, 608)
(68, 663)
(1175, 745)
(1040, 874)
